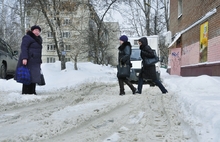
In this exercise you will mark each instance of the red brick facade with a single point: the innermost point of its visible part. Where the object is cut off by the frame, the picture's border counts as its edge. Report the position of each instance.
(189, 41)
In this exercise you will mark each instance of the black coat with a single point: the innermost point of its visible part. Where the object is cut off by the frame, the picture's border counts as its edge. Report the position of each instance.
(31, 49)
(124, 53)
(147, 72)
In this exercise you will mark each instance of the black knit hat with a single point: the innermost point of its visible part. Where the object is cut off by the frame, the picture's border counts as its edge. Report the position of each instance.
(35, 27)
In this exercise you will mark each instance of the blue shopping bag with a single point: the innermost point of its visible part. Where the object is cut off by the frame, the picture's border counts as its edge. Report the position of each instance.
(23, 75)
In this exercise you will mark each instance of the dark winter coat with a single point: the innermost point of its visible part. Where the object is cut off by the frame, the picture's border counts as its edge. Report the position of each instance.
(124, 53)
(147, 72)
(31, 49)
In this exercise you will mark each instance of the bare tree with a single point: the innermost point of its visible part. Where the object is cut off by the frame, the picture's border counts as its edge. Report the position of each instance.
(81, 34)
(148, 17)
(145, 17)
(9, 26)
(53, 12)
(99, 49)
(166, 4)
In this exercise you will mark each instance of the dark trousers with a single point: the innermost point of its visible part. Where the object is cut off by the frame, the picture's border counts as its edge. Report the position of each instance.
(140, 84)
(160, 85)
(29, 89)
(121, 82)
(157, 82)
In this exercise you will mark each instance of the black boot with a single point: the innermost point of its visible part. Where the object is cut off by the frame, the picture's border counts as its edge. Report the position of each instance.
(25, 89)
(33, 89)
(133, 89)
(121, 86)
(29, 89)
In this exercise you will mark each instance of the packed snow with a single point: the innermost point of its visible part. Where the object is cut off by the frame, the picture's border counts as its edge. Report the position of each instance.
(84, 106)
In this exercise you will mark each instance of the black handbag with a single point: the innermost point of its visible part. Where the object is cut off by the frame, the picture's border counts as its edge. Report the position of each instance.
(151, 61)
(42, 80)
(123, 70)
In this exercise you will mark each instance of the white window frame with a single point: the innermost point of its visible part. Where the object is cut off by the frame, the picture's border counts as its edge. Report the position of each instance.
(49, 35)
(66, 21)
(51, 47)
(136, 42)
(67, 47)
(180, 8)
(51, 60)
(66, 34)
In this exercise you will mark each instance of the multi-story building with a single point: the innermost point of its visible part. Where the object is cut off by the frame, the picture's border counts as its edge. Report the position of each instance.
(195, 49)
(75, 24)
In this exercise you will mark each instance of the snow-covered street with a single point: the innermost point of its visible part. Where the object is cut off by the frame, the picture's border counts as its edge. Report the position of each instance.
(97, 113)
(89, 109)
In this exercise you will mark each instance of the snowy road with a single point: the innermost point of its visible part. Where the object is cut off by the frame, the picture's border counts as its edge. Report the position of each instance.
(92, 113)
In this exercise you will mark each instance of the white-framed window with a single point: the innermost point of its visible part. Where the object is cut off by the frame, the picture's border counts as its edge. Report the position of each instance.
(66, 34)
(51, 59)
(49, 35)
(50, 47)
(67, 47)
(136, 42)
(180, 8)
(66, 21)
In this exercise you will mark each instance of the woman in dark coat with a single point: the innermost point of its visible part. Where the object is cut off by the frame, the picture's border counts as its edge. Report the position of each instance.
(124, 58)
(31, 50)
(148, 72)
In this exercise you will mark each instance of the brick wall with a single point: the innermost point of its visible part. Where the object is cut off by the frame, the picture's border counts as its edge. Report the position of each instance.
(214, 49)
(190, 55)
(192, 11)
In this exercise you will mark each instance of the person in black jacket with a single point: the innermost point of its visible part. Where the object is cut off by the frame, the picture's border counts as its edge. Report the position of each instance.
(148, 72)
(124, 53)
(31, 51)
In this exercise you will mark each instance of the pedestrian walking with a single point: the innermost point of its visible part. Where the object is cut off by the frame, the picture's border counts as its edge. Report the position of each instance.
(148, 72)
(124, 53)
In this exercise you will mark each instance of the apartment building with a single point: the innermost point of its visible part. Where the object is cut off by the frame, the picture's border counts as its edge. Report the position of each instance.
(76, 31)
(195, 46)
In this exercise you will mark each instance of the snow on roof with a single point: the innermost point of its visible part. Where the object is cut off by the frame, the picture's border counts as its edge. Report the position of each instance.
(208, 14)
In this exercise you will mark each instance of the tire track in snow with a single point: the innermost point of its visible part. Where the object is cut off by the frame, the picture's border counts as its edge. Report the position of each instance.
(23, 118)
(93, 112)
(142, 118)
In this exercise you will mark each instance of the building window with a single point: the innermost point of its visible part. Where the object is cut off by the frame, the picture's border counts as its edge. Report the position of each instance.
(136, 42)
(67, 47)
(50, 60)
(49, 35)
(66, 21)
(180, 8)
(67, 59)
(50, 47)
(66, 34)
